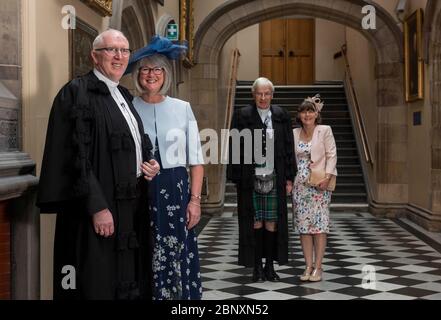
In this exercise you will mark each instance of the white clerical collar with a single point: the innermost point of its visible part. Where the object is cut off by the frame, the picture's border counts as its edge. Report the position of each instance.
(107, 81)
(264, 112)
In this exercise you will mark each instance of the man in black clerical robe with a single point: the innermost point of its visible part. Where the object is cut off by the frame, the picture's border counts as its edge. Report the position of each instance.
(94, 174)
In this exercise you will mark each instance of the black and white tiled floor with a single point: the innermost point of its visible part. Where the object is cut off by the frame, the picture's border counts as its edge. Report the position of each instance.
(404, 266)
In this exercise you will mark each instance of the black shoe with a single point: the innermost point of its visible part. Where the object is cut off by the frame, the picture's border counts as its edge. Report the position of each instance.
(258, 274)
(270, 273)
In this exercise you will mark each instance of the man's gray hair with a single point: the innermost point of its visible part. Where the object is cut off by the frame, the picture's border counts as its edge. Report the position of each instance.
(99, 40)
(262, 82)
(156, 60)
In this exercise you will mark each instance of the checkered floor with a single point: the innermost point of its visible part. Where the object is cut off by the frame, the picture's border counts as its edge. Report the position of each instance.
(404, 266)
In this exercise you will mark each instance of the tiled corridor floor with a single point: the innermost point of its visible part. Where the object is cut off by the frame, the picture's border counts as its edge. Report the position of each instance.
(405, 267)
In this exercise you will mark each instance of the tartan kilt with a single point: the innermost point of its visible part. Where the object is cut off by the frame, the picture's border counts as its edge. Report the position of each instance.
(265, 206)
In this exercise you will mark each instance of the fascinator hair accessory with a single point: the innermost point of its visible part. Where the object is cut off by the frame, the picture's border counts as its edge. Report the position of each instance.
(317, 102)
(158, 45)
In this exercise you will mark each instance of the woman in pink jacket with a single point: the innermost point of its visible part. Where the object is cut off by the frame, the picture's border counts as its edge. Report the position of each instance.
(316, 152)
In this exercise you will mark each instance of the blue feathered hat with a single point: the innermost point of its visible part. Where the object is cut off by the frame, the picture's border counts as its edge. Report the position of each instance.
(157, 45)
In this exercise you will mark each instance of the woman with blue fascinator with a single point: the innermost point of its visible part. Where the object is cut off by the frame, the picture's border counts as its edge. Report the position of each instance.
(175, 203)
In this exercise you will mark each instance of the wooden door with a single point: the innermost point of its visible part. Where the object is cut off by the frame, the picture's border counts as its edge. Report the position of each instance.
(287, 51)
(272, 50)
(300, 51)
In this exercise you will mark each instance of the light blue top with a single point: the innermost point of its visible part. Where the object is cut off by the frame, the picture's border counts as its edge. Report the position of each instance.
(177, 131)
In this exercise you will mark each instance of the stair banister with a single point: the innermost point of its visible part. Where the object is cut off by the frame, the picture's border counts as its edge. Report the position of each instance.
(232, 85)
(230, 100)
(358, 118)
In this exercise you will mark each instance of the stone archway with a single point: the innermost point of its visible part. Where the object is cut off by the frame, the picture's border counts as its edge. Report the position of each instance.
(435, 100)
(131, 28)
(135, 18)
(391, 174)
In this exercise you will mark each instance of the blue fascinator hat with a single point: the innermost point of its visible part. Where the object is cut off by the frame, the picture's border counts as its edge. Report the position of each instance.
(157, 45)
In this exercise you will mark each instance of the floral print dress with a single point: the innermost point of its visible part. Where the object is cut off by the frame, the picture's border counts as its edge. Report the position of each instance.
(310, 205)
(176, 271)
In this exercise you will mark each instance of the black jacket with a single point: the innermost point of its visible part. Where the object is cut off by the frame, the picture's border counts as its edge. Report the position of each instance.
(242, 175)
(89, 164)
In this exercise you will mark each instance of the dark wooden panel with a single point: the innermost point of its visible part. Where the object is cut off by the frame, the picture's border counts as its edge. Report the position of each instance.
(5, 253)
(4, 277)
(5, 267)
(5, 296)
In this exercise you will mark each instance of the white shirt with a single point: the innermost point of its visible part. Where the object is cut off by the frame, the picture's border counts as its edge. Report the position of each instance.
(263, 113)
(269, 165)
(125, 110)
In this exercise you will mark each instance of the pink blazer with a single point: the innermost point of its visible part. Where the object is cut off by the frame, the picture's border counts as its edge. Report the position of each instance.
(323, 150)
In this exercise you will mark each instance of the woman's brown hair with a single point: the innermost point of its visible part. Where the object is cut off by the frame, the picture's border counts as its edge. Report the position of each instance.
(307, 106)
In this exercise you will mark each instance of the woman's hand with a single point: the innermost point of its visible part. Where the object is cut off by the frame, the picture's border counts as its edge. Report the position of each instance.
(150, 169)
(194, 206)
(193, 214)
(323, 185)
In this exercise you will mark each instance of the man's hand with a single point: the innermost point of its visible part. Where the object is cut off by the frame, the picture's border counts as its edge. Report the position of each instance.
(103, 223)
(288, 187)
(150, 169)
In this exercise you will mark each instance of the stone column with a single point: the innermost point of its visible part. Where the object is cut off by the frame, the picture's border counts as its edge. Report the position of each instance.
(17, 171)
(18, 186)
(392, 143)
(10, 74)
(392, 168)
(115, 20)
(204, 88)
(435, 94)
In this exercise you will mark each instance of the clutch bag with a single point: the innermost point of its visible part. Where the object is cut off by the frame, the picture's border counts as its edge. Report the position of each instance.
(319, 175)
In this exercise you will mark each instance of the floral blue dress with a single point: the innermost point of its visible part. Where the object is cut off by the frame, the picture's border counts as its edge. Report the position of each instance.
(176, 271)
(310, 205)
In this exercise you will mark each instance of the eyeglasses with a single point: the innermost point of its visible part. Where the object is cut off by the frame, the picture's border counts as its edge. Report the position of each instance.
(156, 70)
(114, 51)
(309, 111)
(263, 94)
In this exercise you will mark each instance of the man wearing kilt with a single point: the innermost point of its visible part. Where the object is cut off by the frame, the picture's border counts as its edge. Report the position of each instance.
(263, 172)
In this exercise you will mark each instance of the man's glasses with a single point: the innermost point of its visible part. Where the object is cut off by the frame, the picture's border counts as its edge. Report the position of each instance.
(146, 70)
(263, 94)
(114, 51)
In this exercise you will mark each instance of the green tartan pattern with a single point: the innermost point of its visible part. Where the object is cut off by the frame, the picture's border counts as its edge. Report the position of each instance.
(265, 206)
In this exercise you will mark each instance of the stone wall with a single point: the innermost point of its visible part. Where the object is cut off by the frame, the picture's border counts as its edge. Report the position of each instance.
(233, 16)
(435, 93)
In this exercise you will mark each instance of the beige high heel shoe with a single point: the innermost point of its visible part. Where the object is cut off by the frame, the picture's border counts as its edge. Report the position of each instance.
(316, 275)
(305, 276)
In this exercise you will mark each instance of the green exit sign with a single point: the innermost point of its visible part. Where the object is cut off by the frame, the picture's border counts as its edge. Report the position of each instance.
(172, 31)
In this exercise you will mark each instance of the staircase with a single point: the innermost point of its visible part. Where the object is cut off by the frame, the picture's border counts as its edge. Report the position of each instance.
(351, 188)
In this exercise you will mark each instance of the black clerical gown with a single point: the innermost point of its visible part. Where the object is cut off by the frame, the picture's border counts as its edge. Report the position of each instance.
(89, 164)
